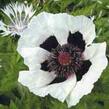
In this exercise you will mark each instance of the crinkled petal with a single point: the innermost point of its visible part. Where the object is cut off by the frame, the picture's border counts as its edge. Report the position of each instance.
(89, 52)
(84, 87)
(35, 79)
(46, 25)
(84, 25)
(33, 56)
(57, 90)
(37, 31)
(59, 25)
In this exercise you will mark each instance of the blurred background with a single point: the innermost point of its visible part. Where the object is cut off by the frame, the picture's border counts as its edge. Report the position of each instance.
(15, 96)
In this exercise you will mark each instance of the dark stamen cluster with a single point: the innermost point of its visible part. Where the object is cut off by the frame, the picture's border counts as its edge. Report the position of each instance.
(65, 60)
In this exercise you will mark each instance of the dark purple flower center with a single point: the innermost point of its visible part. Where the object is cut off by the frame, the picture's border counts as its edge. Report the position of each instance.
(65, 60)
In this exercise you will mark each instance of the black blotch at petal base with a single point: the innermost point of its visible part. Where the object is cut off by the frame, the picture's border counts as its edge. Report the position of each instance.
(44, 66)
(58, 80)
(84, 69)
(77, 40)
(50, 43)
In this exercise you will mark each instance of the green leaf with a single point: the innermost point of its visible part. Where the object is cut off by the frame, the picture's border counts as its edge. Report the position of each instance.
(12, 105)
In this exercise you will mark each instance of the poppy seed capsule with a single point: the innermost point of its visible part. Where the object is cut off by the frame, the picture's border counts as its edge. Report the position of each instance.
(64, 58)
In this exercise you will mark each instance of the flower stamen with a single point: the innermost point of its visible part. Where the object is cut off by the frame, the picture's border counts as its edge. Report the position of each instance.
(65, 60)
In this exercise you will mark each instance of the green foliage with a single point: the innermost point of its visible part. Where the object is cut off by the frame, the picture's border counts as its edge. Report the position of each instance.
(11, 62)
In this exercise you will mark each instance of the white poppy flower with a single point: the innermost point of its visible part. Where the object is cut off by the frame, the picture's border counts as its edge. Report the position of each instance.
(19, 16)
(61, 57)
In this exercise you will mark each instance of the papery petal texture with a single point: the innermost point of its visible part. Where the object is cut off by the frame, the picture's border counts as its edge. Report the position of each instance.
(58, 25)
(34, 47)
(85, 86)
(41, 86)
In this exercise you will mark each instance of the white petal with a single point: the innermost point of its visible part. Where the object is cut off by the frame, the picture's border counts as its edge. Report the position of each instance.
(37, 32)
(89, 52)
(51, 24)
(57, 90)
(85, 26)
(35, 79)
(59, 27)
(45, 25)
(33, 57)
(84, 87)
